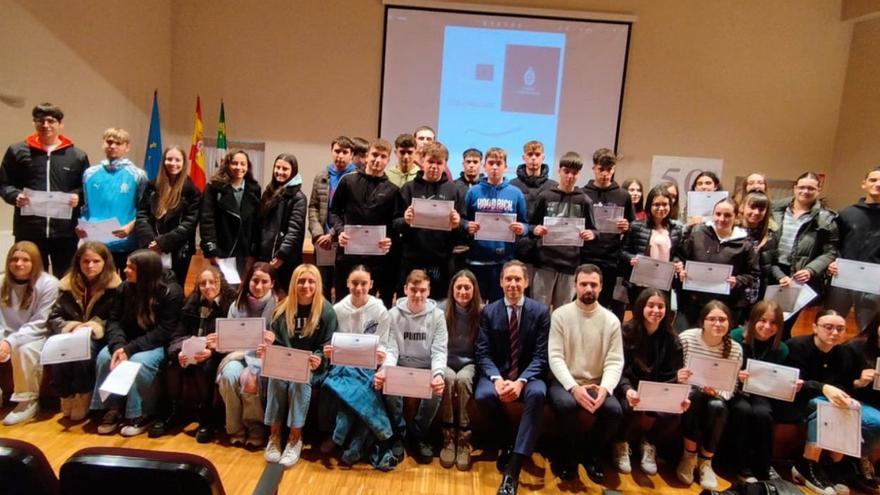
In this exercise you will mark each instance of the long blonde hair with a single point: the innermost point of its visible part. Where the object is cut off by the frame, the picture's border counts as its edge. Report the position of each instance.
(170, 188)
(33, 251)
(289, 305)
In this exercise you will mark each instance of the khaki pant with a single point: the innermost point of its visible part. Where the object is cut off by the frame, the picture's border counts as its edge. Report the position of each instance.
(457, 393)
(553, 288)
(27, 372)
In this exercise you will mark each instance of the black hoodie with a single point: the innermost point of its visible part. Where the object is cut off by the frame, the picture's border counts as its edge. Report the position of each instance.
(554, 202)
(532, 186)
(606, 248)
(362, 199)
(432, 247)
(859, 227)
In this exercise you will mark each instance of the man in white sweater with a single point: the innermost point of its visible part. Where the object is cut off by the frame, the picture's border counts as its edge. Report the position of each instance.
(585, 352)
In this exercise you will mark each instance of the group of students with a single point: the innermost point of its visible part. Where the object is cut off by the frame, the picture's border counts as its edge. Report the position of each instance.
(435, 283)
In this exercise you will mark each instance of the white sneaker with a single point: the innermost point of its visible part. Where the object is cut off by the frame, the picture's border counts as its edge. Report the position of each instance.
(24, 411)
(708, 480)
(685, 470)
(621, 452)
(273, 449)
(649, 458)
(67, 405)
(291, 453)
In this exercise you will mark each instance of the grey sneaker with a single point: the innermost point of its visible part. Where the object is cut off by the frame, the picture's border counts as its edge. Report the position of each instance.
(649, 458)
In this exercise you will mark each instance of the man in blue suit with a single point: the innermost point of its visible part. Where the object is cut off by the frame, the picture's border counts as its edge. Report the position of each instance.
(512, 356)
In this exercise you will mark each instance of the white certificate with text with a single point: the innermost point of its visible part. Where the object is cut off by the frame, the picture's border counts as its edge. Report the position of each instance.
(857, 275)
(649, 272)
(707, 277)
(326, 257)
(702, 203)
(839, 429)
(354, 349)
(432, 214)
(495, 227)
(607, 217)
(67, 347)
(364, 239)
(563, 231)
(239, 334)
(771, 380)
(101, 230)
(229, 268)
(719, 374)
(792, 298)
(284, 363)
(662, 397)
(120, 380)
(49, 204)
(407, 382)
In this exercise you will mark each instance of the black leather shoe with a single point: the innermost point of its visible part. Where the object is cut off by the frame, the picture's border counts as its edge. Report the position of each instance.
(205, 434)
(509, 485)
(503, 460)
(594, 471)
(158, 429)
(566, 471)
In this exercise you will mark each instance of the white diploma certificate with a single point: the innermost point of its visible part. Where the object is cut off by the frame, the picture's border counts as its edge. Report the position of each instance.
(432, 214)
(562, 231)
(67, 347)
(840, 429)
(229, 268)
(192, 346)
(166, 260)
(607, 217)
(857, 275)
(120, 380)
(707, 277)
(326, 257)
(100, 231)
(719, 374)
(877, 375)
(649, 272)
(771, 380)
(662, 397)
(364, 239)
(702, 204)
(792, 298)
(239, 334)
(407, 382)
(286, 364)
(495, 227)
(354, 349)
(49, 204)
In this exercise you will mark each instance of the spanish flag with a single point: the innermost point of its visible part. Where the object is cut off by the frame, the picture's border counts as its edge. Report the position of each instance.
(197, 171)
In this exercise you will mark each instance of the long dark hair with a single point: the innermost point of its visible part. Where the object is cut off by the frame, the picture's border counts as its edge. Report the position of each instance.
(757, 312)
(640, 205)
(635, 334)
(709, 174)
(712, 305)
(79, 285)
(473, 308)
(661, 191)
(226, 292)
(223, 177)
(273, 191)
(245, 287)
(758, 200)
(150, 285)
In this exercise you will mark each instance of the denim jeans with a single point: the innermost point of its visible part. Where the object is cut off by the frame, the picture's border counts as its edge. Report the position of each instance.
(870, 424)
(144, 391)
(420, 424)
(292, 396)
(243, 410)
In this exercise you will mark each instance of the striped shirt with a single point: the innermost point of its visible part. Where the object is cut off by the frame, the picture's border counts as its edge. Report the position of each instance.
(790, 227)
(692, 343)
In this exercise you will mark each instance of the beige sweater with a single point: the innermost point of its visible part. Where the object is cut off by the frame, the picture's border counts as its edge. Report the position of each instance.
(585, 347)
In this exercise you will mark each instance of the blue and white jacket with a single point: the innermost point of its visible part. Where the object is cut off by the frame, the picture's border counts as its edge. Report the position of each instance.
(114, 189)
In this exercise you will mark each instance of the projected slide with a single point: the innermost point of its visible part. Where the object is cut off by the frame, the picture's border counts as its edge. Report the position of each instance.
(500, 86)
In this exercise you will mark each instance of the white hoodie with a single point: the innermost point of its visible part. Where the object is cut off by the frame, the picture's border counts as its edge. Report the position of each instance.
(369, 318)
(418, 340)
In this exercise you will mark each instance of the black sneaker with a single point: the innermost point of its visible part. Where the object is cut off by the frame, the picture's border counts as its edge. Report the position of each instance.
(811, 475)
(421, 451)
(503, 460)
(841, 475)
(205, 434)
(594, 470)
(860, 475)
(563, 468)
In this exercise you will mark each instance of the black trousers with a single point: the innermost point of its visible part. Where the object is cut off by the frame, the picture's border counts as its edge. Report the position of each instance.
(631, 423)
(76, 377)
(704, 421)
(608, 418)
(202, 376)
(751, 423)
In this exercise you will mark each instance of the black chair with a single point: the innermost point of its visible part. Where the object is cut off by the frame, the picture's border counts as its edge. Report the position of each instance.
(24, 470)
(120, 471)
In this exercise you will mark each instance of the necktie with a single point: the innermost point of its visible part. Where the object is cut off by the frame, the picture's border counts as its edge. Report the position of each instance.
(513, 330)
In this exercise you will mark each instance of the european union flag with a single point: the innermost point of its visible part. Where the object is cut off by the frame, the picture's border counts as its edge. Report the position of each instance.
(153, 157)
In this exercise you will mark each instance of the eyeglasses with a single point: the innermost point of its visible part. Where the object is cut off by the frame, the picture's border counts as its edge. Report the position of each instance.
(716, 319)
(807, 188)
(828, 327)
(46, 120)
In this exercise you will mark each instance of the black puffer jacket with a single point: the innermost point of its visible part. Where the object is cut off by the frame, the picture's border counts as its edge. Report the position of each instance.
(637, 241)
(362, 199)
(228, 229)
(702, 244)
(175, 232)
(27, 164)
(815, 244)
(860, 232)
(193, 323)
(434, 247)
(606, 248)
(282, 227)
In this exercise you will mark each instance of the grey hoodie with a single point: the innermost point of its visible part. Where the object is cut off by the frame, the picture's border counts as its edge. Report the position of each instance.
(418, 340)
(369, 318)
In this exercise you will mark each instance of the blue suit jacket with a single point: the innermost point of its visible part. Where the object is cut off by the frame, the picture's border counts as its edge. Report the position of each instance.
(493, 345)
